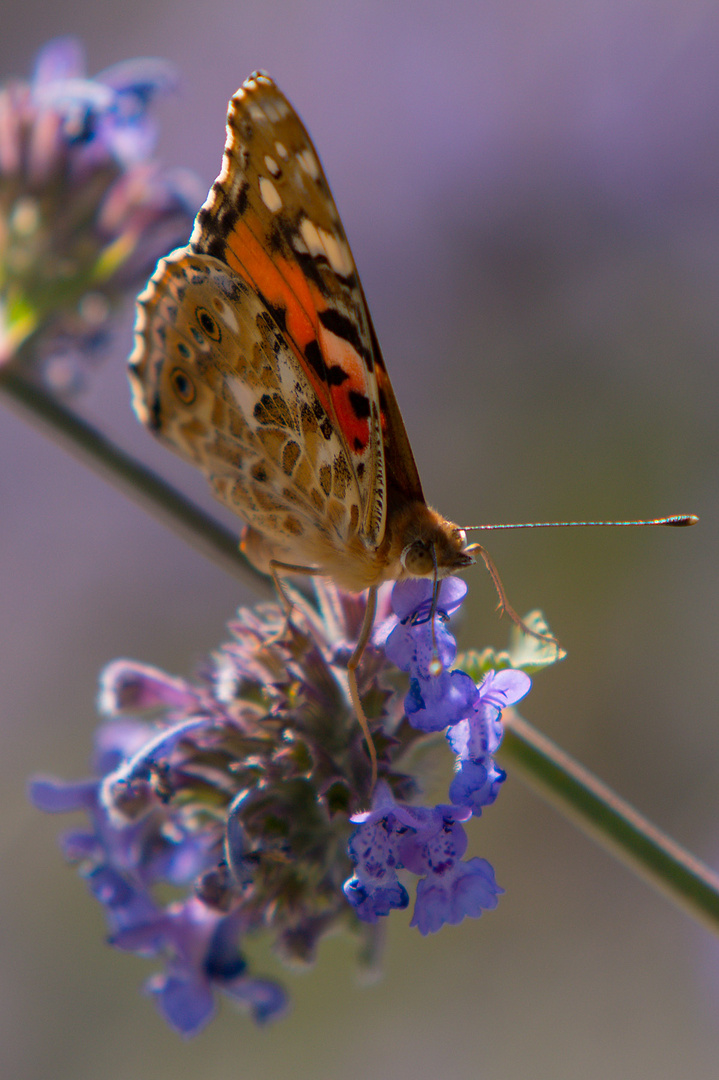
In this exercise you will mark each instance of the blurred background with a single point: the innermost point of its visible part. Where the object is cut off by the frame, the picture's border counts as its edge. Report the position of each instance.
(531, 191)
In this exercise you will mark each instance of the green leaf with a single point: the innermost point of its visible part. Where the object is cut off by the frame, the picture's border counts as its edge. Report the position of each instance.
(532, 653)
(526, 651)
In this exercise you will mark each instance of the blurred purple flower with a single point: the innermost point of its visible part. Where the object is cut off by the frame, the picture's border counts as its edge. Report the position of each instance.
(85, 212)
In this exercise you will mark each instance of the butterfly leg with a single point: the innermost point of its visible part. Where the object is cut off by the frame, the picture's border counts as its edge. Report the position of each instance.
(504, 607)
(277, 568)
(352, 665)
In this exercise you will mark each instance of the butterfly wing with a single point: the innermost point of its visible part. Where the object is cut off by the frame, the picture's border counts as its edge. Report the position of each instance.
(214, 377)
(271, 217)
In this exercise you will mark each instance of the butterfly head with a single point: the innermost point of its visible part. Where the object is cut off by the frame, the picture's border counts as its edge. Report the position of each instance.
(432, 546)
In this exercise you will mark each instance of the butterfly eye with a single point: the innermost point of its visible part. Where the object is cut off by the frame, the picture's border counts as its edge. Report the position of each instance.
(208, 323)
(417, 559)
(183, 386)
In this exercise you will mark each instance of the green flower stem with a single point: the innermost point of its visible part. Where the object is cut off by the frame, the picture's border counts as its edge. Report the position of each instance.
(616, 825)
(140, 484)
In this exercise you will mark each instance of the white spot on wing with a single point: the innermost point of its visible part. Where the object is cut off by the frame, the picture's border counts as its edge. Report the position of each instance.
(309, 163)
(243, 394)
(281, 150)
(337, 253)
(271, 165)
(270, 195)
(228, 317)
(321, 242)
(308, 232)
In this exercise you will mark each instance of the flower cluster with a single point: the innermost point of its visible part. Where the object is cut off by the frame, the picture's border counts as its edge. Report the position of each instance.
(85, 212)
(427, 841)
(246, 791)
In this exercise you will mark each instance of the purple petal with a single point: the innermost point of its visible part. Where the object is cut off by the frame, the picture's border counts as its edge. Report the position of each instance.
(410, 595)
(143, 77)
(59, 796)
(503, 688)
(383, 802)
(63, 58)
(117, 740)
(77, 845)
(372, 903)
(412, 647)
(477, 737)
(128, 686)
(266, 1000)
(476, 785)
(436, 851)
(433, 704)
(187, 1004)
(468, 891)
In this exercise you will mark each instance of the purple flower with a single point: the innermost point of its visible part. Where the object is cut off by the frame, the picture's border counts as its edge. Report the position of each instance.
(84, 210)
(476, 739)
(419, 643)
(417, 639)
(429, 842)
(245, 790)
(206, 958)
(465, 889)
(374, 889)
(439, 700)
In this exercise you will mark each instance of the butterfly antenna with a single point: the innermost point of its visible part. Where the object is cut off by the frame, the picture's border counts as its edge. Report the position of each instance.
(676, 520)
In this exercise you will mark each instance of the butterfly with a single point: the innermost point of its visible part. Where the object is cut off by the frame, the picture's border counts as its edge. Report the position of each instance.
(256, 359)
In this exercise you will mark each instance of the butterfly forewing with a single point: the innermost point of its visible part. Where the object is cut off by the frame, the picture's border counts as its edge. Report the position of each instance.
(272, 216)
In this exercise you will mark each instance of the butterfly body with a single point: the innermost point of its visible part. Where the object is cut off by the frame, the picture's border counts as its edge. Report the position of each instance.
(256, 359)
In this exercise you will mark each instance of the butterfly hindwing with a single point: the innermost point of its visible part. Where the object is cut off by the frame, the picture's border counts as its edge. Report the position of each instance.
(219, 382)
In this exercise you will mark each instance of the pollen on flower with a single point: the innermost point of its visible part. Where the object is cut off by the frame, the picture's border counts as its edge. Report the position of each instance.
(435, 667)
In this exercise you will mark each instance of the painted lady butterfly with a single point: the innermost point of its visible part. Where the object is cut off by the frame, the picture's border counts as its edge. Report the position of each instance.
(256, 358)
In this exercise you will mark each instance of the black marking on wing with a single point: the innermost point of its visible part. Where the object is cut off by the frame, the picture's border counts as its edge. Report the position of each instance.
(279, 314)
(215, 246)
(342, 327)
(316, 360)
(216, 222)
(308, 266)
(336, 375)
(154, 421)
(360, 404)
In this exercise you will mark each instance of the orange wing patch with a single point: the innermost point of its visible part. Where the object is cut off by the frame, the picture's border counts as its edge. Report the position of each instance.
(271, 218)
